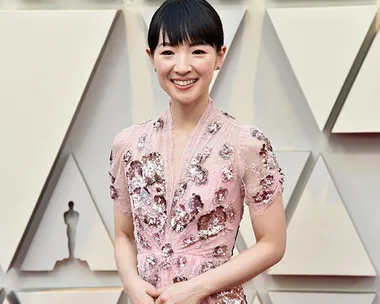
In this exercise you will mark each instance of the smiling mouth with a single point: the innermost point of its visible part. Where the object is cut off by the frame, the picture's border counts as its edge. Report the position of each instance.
(184, 83)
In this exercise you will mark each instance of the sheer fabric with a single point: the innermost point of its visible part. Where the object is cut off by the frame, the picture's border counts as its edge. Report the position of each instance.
(186, 222)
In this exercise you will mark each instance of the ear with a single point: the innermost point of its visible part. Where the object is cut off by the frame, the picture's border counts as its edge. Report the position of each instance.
(220, 56)
(149, 53)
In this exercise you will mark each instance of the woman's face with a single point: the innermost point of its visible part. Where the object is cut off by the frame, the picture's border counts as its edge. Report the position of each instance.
(185, 71)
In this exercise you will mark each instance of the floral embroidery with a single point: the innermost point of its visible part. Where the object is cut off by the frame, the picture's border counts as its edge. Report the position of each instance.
(167, 250)
(181, 262)
(220, 195)
(180, 192)
(198, 175)
(189, 241)
(196, 216)
(151, 260)
(179, 279)
(127, 157)
(182, 216)
(152, 168)
(158, 124)
(227, 151)
(258, 134)
(201, 157)
(214, 127)
(232, 296)
(220, 251)
(113, 193)
(230, 213)
(212, 223)
(151, 278)
(141, 142)
(227, 174)
(196, 172)
(143, 241)
(209, 265)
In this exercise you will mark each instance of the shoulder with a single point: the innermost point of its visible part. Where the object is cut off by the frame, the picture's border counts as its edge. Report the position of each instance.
(253, 138)
(122, 138)
(129, 135)
(248, 136)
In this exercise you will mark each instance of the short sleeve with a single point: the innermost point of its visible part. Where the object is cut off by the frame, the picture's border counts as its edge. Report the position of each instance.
(260, 172)
(120, 155)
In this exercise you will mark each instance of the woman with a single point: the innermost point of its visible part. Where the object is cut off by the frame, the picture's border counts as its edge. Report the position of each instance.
(179, 181)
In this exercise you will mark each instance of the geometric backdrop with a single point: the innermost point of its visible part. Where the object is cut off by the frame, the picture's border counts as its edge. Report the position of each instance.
(73, 79)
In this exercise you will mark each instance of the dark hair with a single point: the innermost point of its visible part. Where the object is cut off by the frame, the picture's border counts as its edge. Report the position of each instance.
(186, 21)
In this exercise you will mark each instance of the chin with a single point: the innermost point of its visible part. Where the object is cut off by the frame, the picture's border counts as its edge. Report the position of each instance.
(186, 97)
(184, 100)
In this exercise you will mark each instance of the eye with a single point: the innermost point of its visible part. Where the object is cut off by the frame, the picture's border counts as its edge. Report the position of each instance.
(167, 53)
(199, 52)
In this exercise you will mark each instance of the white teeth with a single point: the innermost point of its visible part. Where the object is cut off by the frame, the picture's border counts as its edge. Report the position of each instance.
(183, 83)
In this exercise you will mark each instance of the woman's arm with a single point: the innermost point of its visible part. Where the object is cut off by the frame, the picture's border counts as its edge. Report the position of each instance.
(270, 232)
(126, 260)
(125, 248)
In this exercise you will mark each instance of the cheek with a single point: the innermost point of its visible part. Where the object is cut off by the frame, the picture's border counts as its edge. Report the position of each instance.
(163, 68)
(205, 68)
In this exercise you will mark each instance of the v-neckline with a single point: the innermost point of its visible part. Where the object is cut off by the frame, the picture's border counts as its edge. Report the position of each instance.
(175, 173)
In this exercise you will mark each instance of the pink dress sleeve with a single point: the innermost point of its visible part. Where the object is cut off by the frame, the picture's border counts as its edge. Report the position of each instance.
(120, 155)
(260, 172)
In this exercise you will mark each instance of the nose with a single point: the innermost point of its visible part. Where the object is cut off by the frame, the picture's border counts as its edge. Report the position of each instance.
(182, 65)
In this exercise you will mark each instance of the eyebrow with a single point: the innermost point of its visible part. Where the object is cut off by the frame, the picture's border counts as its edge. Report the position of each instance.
(190, 44)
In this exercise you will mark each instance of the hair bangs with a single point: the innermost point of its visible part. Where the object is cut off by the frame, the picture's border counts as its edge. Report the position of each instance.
(186, 22)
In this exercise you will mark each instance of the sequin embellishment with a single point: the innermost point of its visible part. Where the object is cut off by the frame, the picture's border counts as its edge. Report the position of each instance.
(214, 127)
(220, 251)
(158, 124)
(220, 195)
(141, 142)
(227, 174)
(182, 216)
(152, 168)
(127, 157)
(227, 151)
(212, 223)
(167, 250)
(196, 172)
(179, 279)
(232, 296)
(113, 193)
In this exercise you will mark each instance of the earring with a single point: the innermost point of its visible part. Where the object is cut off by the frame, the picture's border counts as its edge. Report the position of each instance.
(217, 68)
(155, 70)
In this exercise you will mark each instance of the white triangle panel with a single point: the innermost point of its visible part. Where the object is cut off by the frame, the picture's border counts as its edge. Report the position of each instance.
(322, 239)
(256, 300)
(46, 61)
(6, 301)
(231, 16)
(92, 242)
(320, 298)
(321, 44)
(292, 164)
(360, 113)
(79, 296)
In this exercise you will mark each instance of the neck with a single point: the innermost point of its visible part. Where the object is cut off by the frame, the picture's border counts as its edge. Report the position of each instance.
(187, 116)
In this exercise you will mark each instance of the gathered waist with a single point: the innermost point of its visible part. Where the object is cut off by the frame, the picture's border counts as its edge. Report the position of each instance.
(162, 270)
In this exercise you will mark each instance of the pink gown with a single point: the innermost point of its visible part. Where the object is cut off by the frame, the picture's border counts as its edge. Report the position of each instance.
(186, 223)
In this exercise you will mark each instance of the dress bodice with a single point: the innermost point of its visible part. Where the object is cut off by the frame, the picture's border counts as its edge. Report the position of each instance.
(186, 222)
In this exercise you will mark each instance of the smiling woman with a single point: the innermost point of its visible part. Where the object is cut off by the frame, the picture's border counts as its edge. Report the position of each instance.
(179, 181)
(185, 40)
